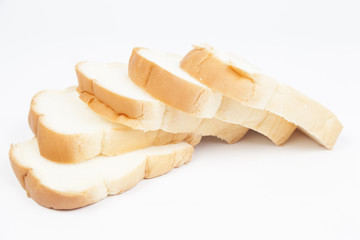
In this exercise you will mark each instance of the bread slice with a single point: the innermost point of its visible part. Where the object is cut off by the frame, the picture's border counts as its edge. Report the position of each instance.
(239, 80)
(108, 91)
(68, 131)
(69, 186)
(161, 76)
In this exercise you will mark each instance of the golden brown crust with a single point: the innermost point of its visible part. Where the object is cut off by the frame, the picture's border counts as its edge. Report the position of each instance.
(213, 72)
(50, 198)
(67, 148)
(33, 118)
(166, 87)
(260, 91)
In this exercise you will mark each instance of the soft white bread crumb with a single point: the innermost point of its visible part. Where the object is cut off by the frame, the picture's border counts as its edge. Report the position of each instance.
(68, 186)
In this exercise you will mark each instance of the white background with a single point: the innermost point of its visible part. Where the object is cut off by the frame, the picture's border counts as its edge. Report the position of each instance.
(248, 190)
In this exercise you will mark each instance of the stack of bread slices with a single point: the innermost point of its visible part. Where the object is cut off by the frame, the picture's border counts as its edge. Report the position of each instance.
(126, 122)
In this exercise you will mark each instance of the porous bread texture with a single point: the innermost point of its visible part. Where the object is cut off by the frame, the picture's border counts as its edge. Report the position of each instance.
(69, 186)
(68, 131)
(103, 86)
(239, 80)
(161, 76)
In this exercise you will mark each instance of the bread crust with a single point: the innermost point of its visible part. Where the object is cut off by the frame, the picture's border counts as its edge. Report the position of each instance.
(73, 148)
(257, 90)
(154, 166)
(174, 91)
(235, 85)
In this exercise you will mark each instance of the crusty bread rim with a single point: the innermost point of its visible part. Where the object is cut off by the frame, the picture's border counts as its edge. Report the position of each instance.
(175, 91)
(241, 85)
(236, 84)
(54, 199)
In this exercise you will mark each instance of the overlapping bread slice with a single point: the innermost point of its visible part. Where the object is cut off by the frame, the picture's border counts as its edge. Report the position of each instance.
(237, 79)
(68, 186)
(68, 131)
(108, 91)
(160, 75)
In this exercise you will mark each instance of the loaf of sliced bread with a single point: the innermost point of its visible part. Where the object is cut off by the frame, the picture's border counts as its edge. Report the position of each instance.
(239, 80)
(68, 131)
(69, 186)
(160, 75)
(108, 91)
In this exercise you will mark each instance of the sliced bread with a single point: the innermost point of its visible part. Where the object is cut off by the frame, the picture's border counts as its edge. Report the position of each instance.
(239, 80)
(68, 131)
(69, 186)
(108, 90)
(160, 75)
